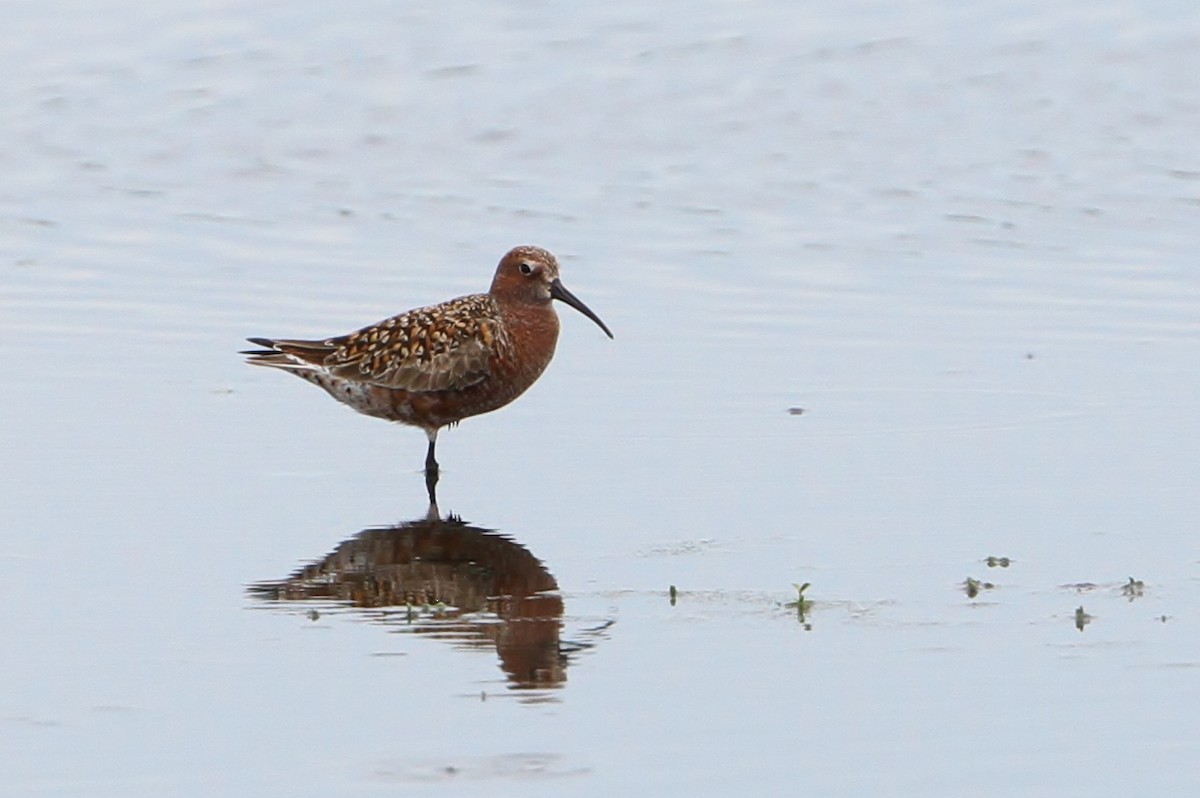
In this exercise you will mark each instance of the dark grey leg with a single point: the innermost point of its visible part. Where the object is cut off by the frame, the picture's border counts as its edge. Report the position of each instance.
(431, 473)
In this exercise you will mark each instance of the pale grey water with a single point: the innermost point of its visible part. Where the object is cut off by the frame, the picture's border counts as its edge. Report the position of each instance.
(962, 239)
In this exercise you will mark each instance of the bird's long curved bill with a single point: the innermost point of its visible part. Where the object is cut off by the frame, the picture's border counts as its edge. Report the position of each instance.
(563, 295)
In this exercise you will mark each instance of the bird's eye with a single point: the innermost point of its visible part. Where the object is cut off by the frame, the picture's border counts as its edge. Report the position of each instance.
(526, 268)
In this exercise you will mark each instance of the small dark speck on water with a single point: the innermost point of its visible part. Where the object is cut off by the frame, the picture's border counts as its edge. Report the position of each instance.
(795, 411)
(1029, 355)
(674, 595)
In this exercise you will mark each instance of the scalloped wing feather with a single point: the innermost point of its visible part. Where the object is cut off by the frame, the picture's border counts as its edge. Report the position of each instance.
(443, 347)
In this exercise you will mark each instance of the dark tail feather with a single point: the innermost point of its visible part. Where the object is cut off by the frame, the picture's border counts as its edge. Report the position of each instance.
(288, 352)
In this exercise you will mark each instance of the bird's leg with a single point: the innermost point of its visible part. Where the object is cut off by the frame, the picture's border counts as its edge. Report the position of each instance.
(431, 480)
(431, 469)
(431, 477)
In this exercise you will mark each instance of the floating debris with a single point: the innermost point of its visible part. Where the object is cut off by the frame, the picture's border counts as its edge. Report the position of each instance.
(998, 562)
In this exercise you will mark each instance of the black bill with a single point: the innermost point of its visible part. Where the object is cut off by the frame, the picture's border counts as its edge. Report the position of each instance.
(563, 295)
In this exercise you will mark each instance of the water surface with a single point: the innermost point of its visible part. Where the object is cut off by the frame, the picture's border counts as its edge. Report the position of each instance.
(896, 288)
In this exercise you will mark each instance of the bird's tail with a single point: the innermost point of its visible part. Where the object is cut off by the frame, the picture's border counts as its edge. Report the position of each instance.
(292, 355)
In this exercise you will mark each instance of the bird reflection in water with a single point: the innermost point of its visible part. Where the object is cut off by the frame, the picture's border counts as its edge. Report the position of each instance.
(445, 577)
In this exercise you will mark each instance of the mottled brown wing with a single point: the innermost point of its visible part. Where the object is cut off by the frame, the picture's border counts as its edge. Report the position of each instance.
(443, 347)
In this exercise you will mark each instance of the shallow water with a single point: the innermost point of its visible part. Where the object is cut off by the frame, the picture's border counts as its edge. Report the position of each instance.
(895, 287)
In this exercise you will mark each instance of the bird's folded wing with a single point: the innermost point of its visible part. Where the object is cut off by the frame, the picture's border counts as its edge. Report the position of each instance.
(448, 347)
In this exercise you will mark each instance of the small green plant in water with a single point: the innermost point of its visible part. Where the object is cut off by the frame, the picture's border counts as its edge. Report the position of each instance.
(801, 605)
(1082, 619)
(974, 587)
(674, 595)
(1133, 589)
